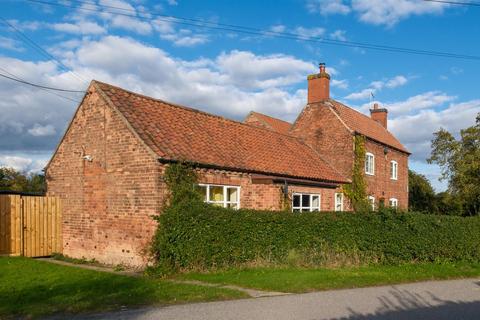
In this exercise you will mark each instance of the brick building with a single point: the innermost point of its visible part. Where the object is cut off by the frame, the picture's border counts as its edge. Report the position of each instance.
(109, 165)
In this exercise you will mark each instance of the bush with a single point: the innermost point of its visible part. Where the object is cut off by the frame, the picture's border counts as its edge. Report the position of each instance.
(198, 236)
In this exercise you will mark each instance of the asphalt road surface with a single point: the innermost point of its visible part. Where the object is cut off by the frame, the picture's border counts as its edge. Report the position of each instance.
(435, 300)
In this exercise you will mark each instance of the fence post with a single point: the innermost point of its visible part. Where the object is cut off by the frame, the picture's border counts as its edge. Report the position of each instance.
(22, 227)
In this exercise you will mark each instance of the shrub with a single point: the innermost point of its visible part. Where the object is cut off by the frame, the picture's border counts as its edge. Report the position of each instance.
(200, 236)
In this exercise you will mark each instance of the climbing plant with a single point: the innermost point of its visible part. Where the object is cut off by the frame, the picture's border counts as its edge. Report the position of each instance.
(357, 190)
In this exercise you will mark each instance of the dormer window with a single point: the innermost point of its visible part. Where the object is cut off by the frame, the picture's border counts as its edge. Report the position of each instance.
(369, 163)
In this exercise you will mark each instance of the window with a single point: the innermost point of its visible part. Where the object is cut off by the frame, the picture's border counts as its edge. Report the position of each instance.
(393, 203)
(393, 170)
(224, 196)
(302, 202)
(369, 164)
(371, 199)
(338, 201)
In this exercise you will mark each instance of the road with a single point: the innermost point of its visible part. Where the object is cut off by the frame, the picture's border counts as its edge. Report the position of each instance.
(435, 300)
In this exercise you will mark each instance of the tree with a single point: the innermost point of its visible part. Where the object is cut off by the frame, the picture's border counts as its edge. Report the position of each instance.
(459, 161)
(421, 196)
(12, 180)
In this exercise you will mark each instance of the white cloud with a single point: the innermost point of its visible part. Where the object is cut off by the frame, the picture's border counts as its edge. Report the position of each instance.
(307, 33)
(397, 81)
(278, 28)
(377, 12)
(22, 164)
(79, 27)
(10, 44)
(172, 2)
(378, 85)
(40, 131)
(422, 101)
(390, 12)
(416, 130)
(342, 84)
(326, 7)
(361, 95)
(339, 35)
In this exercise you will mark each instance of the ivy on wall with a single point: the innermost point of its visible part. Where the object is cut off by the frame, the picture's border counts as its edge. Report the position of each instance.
(356, 192)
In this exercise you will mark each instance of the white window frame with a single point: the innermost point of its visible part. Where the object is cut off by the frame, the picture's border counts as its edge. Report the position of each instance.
(224, 202)
(393, 170)
(371, 199)
(336, 202)
(372, 157)
(393, 203)
(310, 208)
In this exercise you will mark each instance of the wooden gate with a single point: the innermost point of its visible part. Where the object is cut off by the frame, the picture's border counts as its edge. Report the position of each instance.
(30, 225)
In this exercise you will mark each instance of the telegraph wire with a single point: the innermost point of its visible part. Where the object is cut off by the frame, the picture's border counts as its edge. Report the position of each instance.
(459, 3)
(38, 85)
(253, 31)
(33, 44)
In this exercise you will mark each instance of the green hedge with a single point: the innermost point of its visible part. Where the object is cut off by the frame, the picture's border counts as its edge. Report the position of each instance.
(200, 236)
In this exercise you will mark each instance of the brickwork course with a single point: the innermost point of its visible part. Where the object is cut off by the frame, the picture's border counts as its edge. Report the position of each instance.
(108, 168)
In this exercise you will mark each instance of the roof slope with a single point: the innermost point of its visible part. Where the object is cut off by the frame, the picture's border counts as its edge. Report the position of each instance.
(270, 122)
(365, 125)
(178, 133)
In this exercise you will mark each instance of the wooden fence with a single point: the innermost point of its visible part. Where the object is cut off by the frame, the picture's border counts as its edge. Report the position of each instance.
(30, 225)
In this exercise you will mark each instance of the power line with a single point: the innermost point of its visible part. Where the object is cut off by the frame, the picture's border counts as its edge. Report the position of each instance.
(459, 3)
(33, 44)
(254, 31)
(38, 85)
(46, 90)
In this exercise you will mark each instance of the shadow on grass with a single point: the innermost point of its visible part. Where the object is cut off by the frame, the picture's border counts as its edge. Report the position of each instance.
(404, 305)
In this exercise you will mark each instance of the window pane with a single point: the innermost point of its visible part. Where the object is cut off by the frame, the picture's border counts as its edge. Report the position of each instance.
(216, 193)
(305, 200)
(203, 192)
(315, 202)
(296, 200)
(232, 205)
(232, 194)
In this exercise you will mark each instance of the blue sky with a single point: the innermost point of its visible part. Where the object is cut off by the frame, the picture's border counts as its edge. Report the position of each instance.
(231, 73)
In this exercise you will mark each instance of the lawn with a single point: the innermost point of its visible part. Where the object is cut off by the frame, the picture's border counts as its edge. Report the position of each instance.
(33, 288)
(305, 280)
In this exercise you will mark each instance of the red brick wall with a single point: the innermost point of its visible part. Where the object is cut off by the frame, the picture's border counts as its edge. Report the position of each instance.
(264, 196)
(319, 127)
(108, 202)
(380, 185)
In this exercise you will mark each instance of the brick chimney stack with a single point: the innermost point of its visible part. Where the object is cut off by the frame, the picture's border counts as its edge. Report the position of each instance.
(379, 114)
(319, 85)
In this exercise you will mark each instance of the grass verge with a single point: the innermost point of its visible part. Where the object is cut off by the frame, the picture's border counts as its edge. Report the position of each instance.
(305, 280)
(31, 288)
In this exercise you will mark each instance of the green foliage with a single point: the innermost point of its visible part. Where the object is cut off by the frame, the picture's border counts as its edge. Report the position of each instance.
(181, 180)
(13, 180)
(201, 236)
(448, 204)
(357, 190)
(459, 161)
(421, 196)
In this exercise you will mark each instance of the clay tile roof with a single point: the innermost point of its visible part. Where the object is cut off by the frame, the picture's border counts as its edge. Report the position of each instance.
(175, 132)
(270, 122)
(364, 125)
